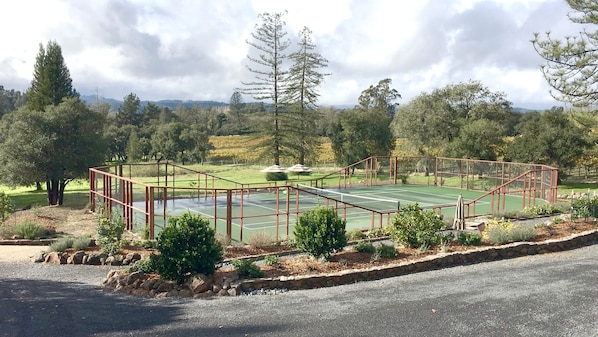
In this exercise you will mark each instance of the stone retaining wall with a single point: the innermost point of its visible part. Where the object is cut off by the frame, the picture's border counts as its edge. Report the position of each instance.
(431, 262)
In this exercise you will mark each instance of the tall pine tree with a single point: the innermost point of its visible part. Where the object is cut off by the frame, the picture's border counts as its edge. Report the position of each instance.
(268, 84)
(51, 79)
(301, 96)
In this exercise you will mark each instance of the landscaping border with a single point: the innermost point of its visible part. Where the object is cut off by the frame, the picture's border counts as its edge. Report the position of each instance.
(431, 262)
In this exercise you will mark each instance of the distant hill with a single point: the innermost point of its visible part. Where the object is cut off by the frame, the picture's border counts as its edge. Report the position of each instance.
(169, 103)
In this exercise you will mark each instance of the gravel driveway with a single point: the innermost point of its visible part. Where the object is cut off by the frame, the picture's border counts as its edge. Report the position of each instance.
(543, 295)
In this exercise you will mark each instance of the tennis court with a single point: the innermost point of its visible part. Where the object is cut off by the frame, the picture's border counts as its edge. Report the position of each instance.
(275, 210)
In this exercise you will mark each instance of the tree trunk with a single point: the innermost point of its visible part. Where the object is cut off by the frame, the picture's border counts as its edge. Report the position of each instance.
(55, 188)
(38, 186)
(52, 188)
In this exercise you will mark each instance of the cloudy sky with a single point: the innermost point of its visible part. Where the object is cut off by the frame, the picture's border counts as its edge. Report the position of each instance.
(197, 50)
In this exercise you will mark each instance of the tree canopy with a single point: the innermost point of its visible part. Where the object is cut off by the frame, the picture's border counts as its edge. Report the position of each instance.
(55, 146)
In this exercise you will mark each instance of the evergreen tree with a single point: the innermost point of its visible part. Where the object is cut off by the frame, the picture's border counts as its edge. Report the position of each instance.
(51, 79)
(571, 65)
(302, 95)
(269, 83)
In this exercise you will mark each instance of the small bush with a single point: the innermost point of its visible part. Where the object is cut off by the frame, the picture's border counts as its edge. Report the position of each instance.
(246, 268)
(81, 243)
(270, 260)
(260, 239)
(6, 207)
(365, 247)
(522, 233)
(29, 230)
(414, 227)
(277, 176)
(503, 231)
(378, 232)
(110, 230)
(470, 239)
(320, 232)
(145, 265)
(355, 234)
(187, 246)
(61, 245)
(386, 251)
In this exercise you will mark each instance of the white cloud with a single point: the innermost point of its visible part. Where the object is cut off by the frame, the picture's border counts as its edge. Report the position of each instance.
(189, 49)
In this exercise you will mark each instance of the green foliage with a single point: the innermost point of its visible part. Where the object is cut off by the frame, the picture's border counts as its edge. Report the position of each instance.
(320, 232)
(503, 231)
(414, 227)
(110, 230)
(386, 251)
(187, 246)
(470, 239)
(62, 245)
(29, 230)
(584, 208)
(277, 176)
(270, 260)
(6, 207)
(247, 268)
(81, 243)
(355, 234)
(365, 247)
(145, 265)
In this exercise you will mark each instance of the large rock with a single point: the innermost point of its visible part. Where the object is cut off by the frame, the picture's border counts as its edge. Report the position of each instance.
(200, 283)
(56, 258)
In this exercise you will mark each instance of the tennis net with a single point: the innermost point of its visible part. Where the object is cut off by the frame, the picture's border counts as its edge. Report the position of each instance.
(369, 203)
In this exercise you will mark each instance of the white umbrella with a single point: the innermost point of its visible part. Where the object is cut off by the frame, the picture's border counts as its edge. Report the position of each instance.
(273, 168)
(459, 222)
(299, 168)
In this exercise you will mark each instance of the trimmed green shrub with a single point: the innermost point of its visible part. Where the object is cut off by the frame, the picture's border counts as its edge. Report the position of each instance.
(365, 247)
(29, 230)
(320, 232)
(277, 176)
(247, 268)
(187, 246)
(413, 227)
(470, 239)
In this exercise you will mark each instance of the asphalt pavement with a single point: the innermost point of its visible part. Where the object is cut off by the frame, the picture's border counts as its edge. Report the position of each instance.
(542, 295)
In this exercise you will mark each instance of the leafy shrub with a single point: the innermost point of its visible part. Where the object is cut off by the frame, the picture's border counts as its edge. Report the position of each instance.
(365, 247)
(260, 239)
(6, 207)
(81, 243)
(355, 234)
(277, 176)
(320, 232)
(149, 244)
(187, 246)
(61, 245)
(414, 227)
(29, 230)
(503, 231)
(270, 260)
(110, 230)
(386, 251)
(584, 208)
(246, 268)
(470, 239)
(145, 265)
(378, 232)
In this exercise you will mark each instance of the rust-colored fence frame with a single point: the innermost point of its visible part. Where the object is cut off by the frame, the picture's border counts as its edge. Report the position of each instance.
(118, 189)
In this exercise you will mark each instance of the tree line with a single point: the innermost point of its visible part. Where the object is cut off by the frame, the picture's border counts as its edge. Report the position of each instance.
(50, 136)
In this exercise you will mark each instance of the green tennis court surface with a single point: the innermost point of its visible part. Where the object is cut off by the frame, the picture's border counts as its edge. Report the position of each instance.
(275, 211)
